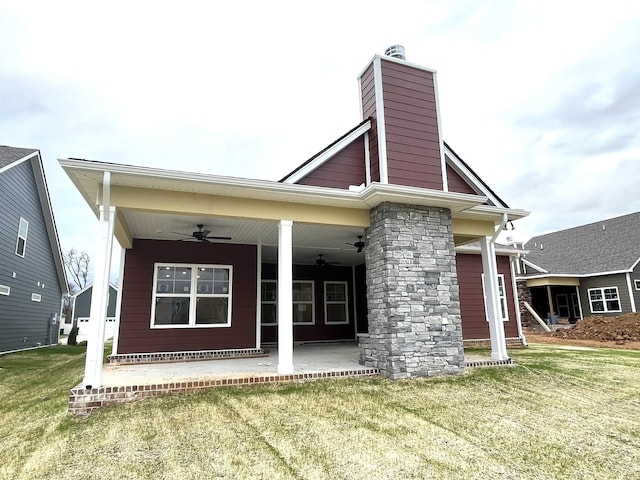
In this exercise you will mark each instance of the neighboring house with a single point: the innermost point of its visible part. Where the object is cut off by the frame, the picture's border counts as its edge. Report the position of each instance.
(81, 308)
(358, 242)
(587, 270)
(32, 278)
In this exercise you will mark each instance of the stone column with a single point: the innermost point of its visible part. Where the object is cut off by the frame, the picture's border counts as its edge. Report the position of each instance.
(412, 292)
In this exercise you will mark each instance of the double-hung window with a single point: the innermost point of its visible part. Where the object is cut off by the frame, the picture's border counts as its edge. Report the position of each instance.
(336, 310)
(269, 302)
(502, 295)
(303, 302)
(21, 241)
(192, 296)
(303, 311)
(604, 300)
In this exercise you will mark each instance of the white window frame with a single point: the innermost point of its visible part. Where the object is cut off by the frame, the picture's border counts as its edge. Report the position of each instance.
(293, 304)
(312, 302)
(344, 302)
(637, 284)
(604, 300)
(193, 295)
(36, 297)
(502, 295)
(5, 290)
(22, 235)
(269, 302)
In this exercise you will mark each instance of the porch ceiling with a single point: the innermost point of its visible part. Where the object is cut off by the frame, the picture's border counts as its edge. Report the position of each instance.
(310, 240)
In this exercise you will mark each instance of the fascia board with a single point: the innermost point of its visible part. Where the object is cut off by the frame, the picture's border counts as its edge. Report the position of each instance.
(330, 152)
(534, 266)
(18, 161)
(50, 222)
(512, 213)
(574, 275)
(377, 193)
(87, 176)
(502, 251)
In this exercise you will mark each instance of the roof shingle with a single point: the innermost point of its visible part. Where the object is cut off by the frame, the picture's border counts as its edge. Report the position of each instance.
(610, 245)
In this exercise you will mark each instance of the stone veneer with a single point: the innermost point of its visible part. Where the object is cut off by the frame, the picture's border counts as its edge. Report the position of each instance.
(415, 327)
(524, 295)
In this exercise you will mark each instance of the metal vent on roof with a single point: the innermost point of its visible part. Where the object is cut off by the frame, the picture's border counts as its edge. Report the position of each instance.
(395, 51)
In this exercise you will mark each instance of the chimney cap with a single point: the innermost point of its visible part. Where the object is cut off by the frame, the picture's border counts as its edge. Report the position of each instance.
(395, 51)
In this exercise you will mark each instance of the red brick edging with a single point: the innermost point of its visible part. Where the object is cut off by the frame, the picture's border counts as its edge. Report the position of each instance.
(83, 401)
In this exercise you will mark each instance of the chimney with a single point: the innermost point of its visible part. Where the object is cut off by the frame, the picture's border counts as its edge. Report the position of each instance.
(405, 146)
(395, 51)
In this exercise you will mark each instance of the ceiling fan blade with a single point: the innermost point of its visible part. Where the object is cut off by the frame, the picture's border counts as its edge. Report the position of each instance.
(217, 238)
(183, 234)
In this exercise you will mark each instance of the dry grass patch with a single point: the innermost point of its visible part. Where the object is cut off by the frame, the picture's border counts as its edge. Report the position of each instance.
(558, 413)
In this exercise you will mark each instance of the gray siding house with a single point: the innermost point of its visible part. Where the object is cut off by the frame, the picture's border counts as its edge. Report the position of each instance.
(588, 270)
(32, 277)
(82, 310)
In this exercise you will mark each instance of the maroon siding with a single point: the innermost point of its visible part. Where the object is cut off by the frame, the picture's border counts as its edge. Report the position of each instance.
(457, 184)
(136, 336)
(474, 323)
(343, 169)
(411, 126)
(318, 331)
(368, 96)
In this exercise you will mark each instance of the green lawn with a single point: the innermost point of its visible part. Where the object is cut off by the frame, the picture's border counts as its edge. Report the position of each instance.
(559, 413)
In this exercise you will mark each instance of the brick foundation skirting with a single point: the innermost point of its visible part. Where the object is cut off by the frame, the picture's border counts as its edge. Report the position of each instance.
(83, 401)
(159, 357)
(488, 363)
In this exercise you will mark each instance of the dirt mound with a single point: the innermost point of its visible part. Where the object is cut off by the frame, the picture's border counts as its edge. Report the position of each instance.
(619, 328)
(620, 331)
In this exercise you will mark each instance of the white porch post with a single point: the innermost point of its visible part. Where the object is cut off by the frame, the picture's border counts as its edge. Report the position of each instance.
(100, 290)
(492, 299)
(285, 297)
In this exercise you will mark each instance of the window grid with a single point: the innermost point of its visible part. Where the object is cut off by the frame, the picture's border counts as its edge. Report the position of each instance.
(191, 296)
(303, 302)
(269, 302)
(604, 300)
(502, 295)
(336, 307)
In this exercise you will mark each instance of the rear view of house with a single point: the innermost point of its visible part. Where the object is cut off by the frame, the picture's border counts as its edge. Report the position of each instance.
(385, 238)
(32, 279)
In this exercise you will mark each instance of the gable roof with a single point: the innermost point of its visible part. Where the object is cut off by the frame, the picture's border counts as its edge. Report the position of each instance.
(607, 246)
(327, 152)
(90, 286)
(9, 158)
(471, 177)
(10, 155)
(452, 159)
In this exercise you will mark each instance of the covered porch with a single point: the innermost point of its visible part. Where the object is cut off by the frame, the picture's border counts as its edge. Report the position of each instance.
(124, 383)
(249, 238)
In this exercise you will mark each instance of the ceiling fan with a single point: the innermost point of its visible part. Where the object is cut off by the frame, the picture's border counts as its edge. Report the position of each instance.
(202, 235)
(321, 262)
(359, 244)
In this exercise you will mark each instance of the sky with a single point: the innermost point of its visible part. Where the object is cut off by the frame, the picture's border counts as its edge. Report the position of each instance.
(541, 99)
